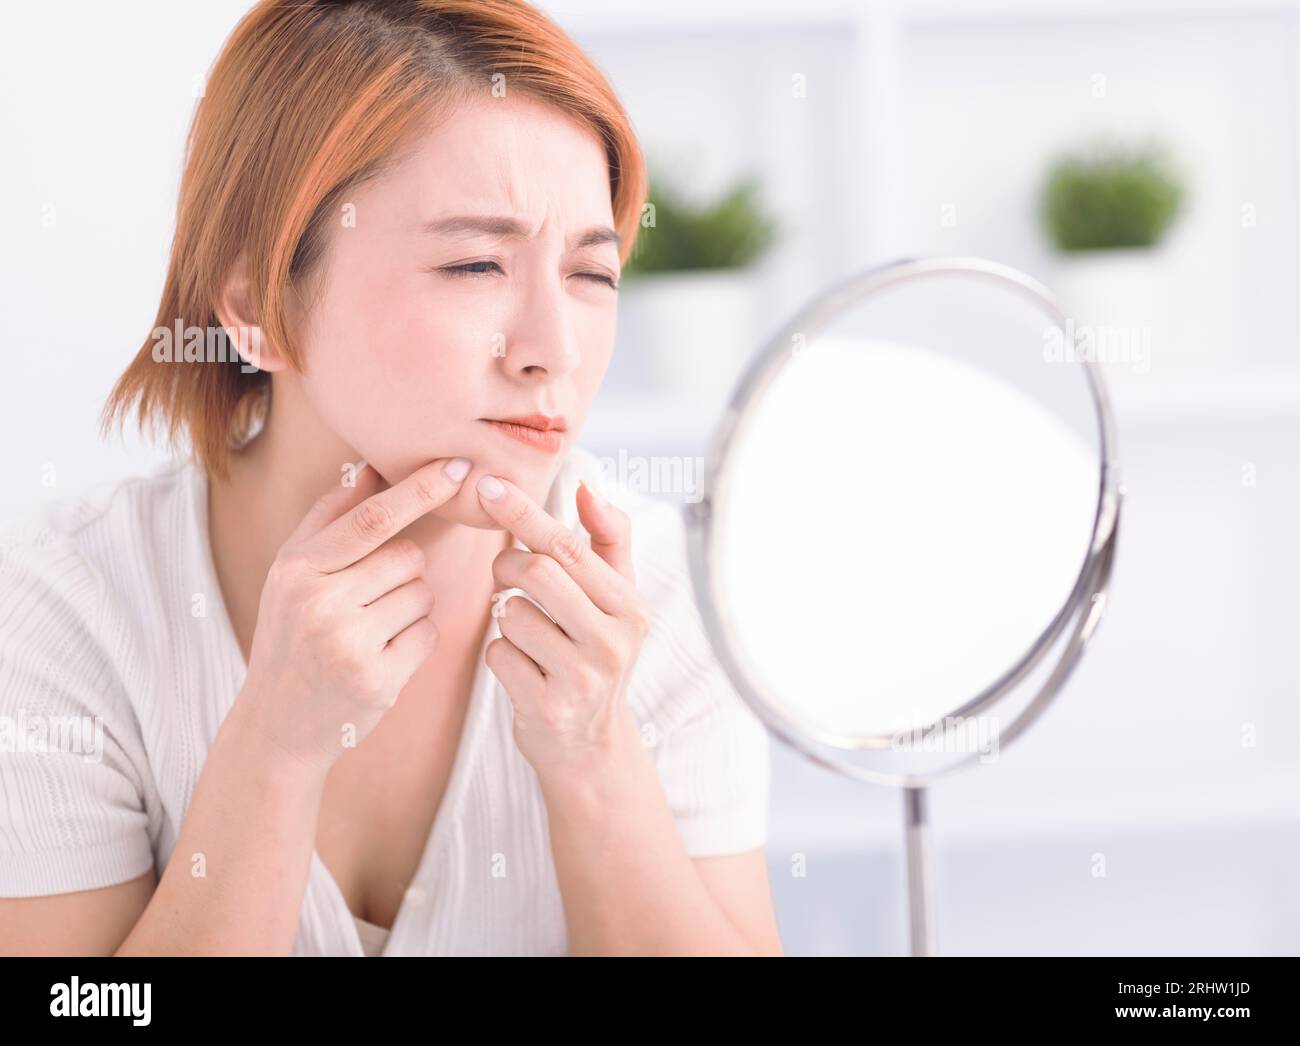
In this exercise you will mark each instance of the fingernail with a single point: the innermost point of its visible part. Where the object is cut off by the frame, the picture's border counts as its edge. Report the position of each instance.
(600, 502)
(490, 487)
(457, 468)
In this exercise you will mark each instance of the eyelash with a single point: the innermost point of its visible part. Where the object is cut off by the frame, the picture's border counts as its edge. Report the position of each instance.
(464, 271)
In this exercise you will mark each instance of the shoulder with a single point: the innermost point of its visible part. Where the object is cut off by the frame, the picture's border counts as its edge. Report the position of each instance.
(128, 506)
(78, 663)
(73, 567)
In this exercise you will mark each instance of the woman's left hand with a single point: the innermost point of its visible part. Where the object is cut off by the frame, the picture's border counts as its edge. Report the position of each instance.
(566, 677)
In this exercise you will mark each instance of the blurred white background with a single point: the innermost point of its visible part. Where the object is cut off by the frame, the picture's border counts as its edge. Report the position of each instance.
(916, 128)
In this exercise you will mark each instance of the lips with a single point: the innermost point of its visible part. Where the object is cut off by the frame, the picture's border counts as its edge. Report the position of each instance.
(535, 421)
(535, 430)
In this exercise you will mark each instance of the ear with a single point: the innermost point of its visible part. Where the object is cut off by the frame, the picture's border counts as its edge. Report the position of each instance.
(235, 312)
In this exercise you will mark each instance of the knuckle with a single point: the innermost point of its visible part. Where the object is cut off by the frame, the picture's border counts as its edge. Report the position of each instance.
(371, 519)
(607, 649)
(317, 614)
(284, 572)
(536, 571)
(360, 668)
(410, 554)
(566, 547)
(556, 719)
(588, 678)
(372, 686)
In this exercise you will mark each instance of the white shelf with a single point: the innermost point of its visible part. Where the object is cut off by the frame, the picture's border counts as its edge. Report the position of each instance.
(981, 807)
(1210, 397)
(650, 424)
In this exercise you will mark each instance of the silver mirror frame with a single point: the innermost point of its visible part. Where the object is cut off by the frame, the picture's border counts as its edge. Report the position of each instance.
(1084, 606)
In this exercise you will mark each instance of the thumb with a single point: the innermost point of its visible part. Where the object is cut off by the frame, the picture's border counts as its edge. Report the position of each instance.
(610, 529)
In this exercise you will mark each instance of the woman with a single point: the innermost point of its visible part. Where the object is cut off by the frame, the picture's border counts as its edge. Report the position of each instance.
(316, 736)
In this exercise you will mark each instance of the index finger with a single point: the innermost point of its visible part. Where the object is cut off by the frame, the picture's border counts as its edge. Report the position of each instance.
(333, 503)
(366, 526)
(546, 535)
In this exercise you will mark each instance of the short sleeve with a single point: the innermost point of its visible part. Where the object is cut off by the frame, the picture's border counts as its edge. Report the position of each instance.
(716, 771)
(72, 815)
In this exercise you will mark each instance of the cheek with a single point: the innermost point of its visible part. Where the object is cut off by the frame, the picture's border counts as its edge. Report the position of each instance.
(598, 340)
(435, 373)
(429, 328)
(426, 355)
(387, 379)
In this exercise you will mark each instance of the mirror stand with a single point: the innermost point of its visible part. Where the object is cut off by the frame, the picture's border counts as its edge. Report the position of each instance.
(916, 819)
(920, 882)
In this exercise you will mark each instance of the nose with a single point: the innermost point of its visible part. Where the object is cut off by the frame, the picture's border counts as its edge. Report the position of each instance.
(542, 344)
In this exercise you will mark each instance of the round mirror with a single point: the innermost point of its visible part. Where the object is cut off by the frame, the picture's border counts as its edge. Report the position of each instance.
(908, 518)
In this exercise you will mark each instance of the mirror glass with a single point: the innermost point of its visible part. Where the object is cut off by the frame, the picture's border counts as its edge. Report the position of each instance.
(906, 506)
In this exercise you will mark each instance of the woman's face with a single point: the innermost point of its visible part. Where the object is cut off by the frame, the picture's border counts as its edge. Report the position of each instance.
(422, 326)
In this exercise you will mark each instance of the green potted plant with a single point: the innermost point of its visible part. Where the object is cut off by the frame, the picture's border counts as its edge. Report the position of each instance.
(1111, 198)
(1107, 210)
(688, 293)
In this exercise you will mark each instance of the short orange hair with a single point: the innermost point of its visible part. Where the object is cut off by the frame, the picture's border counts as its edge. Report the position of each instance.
(305, 101)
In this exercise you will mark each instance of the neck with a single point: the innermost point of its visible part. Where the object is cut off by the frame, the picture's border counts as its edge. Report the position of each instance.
(274, 480)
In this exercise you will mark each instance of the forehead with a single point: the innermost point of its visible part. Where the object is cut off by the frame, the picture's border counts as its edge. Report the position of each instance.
(512, 155)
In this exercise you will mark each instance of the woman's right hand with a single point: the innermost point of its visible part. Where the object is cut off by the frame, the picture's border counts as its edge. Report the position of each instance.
(343, 622)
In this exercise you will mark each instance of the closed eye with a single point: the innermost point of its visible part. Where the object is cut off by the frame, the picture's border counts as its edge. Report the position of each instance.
(470, 270)
(598, 277)
(462, 271)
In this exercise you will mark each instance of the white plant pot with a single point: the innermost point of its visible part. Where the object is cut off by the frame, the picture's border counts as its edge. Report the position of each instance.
(693, 330)
(1112, 301)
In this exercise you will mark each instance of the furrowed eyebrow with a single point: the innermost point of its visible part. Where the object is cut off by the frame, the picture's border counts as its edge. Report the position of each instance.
(597, 235)
(511, 228)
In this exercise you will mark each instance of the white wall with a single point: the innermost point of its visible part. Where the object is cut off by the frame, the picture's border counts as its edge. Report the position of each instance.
(96, 103)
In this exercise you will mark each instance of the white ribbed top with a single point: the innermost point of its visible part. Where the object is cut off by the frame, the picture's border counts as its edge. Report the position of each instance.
(373, 936)
(111, 618)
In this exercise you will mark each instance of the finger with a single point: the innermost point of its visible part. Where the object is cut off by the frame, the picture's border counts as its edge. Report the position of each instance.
(354, 486)
(535, 634)
(547, 536)
(409, 649)
(610, 529)
(368, 525)
(518, 673)
(389, 614)
(395, 562)
(545, 581)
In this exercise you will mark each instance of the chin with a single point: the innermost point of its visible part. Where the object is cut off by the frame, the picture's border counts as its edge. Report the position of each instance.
(465, 509)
